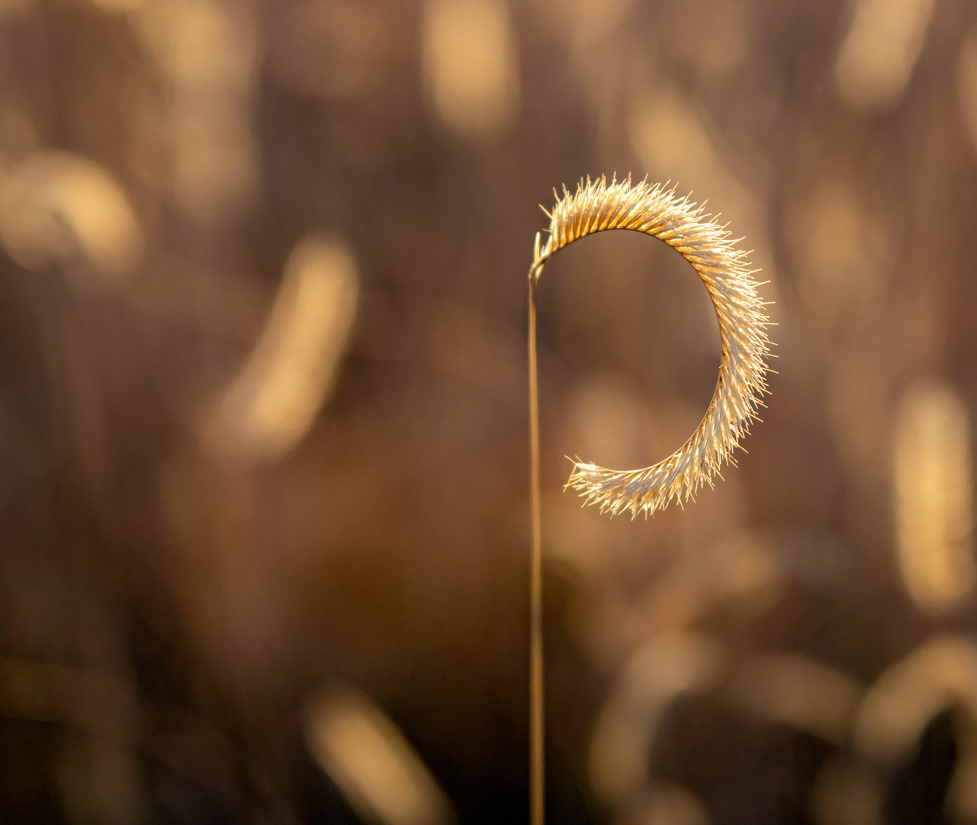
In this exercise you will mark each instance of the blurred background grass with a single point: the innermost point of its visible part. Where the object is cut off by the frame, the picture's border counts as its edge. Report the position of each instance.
(263, 432)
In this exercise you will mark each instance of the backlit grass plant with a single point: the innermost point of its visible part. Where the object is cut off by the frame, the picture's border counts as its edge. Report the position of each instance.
(654, 210)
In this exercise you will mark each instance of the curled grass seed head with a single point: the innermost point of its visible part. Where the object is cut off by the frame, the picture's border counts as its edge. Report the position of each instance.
(657, 211)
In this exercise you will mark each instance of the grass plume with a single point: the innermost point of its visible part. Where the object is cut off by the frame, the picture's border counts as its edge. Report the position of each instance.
(657, 211)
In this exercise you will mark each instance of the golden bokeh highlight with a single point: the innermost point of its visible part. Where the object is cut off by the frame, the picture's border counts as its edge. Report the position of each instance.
(276, 395)
(672, 139)
(881, 50)
(939, 676)
(59, 207)
(934, 496)
(208, 58)
(741, 569)
(655, 676)
(843, 252)
(365, 754)
(797, 691)
(666, 132)
(469, 62)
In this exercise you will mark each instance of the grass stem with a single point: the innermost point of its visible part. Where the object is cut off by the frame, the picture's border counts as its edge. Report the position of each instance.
(536, 711)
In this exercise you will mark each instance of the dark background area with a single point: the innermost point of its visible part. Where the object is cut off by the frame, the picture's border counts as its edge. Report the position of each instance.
(263, 422)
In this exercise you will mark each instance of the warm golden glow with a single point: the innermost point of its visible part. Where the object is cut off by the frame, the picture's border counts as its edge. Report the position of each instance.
(470, 64)
(274, 399)
(372, 764)
(937, 676)
(941, 675)
(656, 675)
(934, 497)
(797, 691)
(61, 207)
(881, 50)
(842, 251)
(208, 59)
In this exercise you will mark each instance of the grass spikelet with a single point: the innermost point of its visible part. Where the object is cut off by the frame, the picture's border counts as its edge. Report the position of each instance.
(657, 211)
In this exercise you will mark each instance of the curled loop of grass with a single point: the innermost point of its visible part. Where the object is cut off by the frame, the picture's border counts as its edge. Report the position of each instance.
(659, 212)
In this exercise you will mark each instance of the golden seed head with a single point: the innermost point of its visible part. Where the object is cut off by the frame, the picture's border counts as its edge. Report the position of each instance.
(657, 211)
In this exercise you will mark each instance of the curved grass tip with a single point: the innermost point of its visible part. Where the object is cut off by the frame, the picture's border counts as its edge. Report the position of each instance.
(657, 211)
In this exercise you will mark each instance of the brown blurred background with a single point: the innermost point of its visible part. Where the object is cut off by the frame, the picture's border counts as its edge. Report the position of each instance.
(263, 429)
